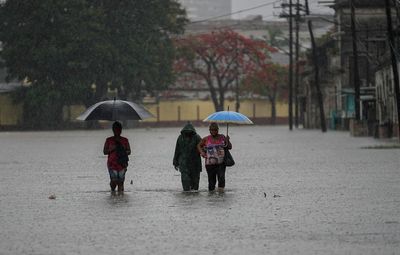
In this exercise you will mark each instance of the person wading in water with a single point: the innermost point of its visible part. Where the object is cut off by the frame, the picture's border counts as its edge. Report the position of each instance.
(187, 159)
(211, 148)
(117, 148)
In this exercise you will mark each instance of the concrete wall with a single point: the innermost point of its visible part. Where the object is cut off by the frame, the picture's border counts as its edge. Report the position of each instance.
(195, 110)
(10, 113)
(166, 111)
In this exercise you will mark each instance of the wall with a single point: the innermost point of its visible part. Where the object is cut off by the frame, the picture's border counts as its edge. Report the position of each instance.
(10, 113)
(195, 110)
(166, 111)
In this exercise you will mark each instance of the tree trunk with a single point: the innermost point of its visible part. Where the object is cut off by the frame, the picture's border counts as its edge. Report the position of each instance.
(272, 100)
(237, 94)
(221, 101)
(213, 94)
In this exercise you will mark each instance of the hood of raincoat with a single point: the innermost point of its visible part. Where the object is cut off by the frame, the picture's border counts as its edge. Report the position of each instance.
(188, 128)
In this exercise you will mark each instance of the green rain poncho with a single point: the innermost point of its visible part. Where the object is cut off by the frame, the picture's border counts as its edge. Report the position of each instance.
(187, 158)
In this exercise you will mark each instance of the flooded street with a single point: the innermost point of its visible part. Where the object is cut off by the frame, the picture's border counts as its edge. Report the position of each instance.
(299, 192)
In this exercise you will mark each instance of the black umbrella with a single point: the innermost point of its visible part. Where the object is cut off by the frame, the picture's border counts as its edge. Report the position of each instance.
(115, 110)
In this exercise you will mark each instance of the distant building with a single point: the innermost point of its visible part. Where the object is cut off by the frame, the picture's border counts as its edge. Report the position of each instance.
(386, 101)
(203, 9)
(375, 100)
(372, 47)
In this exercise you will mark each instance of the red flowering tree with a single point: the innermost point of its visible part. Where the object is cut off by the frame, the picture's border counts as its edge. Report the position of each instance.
(269, 80)
(217, 59)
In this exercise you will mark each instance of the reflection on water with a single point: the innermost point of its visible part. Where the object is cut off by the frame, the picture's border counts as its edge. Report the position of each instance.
(118, 198)
(220, 199)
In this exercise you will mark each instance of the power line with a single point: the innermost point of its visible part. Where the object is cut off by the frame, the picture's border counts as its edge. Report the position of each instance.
(231, 13)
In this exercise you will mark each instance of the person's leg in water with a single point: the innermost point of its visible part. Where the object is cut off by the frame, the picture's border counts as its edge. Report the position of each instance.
(185, 179)
(194, 180)
(113, 185)
(113, 179)
(212, 177)
(221, 177)
(120, 185)
(121, 180)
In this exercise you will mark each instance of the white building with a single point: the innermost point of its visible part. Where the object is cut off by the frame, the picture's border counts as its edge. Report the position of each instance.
(385, 95)
(203, 9)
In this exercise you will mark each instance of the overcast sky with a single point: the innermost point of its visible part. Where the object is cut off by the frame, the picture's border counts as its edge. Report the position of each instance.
(268, 11)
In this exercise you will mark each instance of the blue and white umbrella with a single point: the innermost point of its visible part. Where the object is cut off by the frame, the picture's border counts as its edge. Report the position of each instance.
(228, 117)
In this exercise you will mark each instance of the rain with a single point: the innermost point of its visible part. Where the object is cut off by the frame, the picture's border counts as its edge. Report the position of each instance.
(109, 110)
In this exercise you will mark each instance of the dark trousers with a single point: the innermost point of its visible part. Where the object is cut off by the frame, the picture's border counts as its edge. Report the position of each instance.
(190, 181)
(216, 172)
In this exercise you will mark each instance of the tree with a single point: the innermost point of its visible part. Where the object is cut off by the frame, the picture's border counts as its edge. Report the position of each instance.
(275, 38)
(139, 34)
(66, 46)
(40, 50)
(270, 80)
(217, 59)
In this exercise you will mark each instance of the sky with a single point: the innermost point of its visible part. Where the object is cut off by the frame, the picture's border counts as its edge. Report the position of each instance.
(268, 11)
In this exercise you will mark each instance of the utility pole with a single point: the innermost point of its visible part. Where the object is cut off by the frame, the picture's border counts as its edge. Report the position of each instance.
(356, 77)
(394, 61)
(316, 81)
(294, 93)
(296, 86)
(290, 65)
(307, 9)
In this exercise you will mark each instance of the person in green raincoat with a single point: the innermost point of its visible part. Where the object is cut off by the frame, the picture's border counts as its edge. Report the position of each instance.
(187, 159)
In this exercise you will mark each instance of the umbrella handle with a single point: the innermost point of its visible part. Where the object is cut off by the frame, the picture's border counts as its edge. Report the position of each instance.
(227, 125)
(114, 114)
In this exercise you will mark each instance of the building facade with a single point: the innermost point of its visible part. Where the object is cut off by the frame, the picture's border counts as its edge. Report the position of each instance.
(339, 72)
(204, 9)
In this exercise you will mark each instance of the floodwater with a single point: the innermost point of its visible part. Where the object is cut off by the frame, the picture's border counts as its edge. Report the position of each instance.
(299, 192)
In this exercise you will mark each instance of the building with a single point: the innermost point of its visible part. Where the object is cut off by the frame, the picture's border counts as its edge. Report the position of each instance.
(203, 9)
(376, 100)
(376, 109)
(339, 72)
(386, 108)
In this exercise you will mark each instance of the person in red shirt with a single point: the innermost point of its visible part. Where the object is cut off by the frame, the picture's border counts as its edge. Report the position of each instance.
(117, 148)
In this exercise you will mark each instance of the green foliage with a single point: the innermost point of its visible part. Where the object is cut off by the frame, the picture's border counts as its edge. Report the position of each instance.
(65, 46)
(42, 105)
(276, 37)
